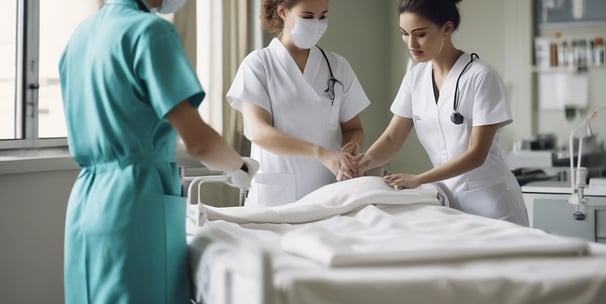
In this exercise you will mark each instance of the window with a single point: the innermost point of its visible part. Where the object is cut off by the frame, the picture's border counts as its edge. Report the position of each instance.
(31, 110)
(8, 44)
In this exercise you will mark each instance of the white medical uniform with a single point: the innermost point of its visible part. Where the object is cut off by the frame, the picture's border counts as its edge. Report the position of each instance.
(490, 190)
(270, 79)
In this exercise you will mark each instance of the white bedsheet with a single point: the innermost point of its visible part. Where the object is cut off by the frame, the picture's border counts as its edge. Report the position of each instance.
(501, 280)
(363, 221)
(330, 200)
(415, 234)
(435, 254)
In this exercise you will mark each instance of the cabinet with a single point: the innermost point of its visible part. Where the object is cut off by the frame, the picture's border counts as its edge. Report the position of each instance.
(563, 92)
(549, 210)
(569, 13)
(557, 46)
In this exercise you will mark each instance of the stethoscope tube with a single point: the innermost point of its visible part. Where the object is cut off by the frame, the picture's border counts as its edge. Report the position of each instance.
(456, 117)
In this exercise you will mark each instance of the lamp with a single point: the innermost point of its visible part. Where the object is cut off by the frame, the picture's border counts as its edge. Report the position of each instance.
(578, 177)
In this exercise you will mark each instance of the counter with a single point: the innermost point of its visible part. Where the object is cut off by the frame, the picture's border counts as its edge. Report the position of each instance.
(549, 210)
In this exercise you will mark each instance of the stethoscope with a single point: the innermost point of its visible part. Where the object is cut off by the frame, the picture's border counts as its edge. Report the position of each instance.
(456, 117)
(330, 90)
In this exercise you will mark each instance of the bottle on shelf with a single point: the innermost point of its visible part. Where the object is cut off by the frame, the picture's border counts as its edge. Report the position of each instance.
(580, 54)
(563, 53)
(590, 51)
(599, 52)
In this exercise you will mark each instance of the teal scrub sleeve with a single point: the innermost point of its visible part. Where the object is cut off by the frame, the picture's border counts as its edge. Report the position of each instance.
(165, 71)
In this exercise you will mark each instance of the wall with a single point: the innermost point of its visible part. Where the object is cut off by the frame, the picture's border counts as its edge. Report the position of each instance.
(32, 215)
(367, 34)
(500, 31)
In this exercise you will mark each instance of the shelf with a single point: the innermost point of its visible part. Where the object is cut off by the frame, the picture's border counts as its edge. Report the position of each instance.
(570, 25)
(567, 69)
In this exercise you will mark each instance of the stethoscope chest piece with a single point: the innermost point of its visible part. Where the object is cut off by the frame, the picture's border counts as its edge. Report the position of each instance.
(456, 118)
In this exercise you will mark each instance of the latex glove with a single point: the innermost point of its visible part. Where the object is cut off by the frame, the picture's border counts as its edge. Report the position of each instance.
(240, 178)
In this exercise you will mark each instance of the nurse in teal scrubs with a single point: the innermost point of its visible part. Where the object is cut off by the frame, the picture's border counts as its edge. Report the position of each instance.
(127, 86)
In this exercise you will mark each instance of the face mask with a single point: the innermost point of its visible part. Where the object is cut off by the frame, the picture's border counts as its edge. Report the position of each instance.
(170, 6)
(307, 32)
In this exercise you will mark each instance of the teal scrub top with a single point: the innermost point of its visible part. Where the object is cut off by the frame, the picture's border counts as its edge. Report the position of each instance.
(121, 72)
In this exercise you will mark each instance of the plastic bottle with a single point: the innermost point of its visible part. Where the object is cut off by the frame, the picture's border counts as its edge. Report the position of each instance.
(563, 50)
(590, 51)
(553, 54)
(599, 51)
(572, 53)
(581, 53)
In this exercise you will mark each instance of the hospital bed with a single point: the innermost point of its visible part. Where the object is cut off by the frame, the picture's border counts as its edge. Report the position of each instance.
(360, 241)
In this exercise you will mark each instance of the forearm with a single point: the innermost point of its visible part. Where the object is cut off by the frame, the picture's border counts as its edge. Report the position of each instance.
(355, 136)
(201, 141)
(475, 155)
(278, 142)
(390, 142)
(215, 153)
(382, 151)
(353, 133)
(464, 163)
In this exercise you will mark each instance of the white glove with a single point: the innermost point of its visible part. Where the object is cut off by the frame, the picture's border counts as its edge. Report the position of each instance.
(240, 178)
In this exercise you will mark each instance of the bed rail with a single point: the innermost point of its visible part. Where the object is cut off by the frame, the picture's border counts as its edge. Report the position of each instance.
(241, 271)
(235, 262)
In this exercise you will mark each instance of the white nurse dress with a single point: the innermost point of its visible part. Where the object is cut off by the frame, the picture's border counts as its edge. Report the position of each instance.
(490, 190)
(270, 79)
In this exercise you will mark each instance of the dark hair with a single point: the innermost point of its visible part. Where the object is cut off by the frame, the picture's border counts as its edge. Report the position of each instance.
(436, 11)
(269, 14)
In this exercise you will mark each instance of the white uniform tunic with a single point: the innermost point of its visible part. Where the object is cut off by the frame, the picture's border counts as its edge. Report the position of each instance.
(490, 190)
(270, 79)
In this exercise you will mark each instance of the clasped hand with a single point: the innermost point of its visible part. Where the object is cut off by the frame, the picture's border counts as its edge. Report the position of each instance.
(357, 165)
(240, 178)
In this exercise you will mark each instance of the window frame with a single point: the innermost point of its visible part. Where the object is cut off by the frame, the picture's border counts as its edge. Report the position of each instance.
(27, 82)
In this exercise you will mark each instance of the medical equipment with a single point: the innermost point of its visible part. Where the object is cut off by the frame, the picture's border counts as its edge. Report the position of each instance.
(578, 177)
(456, 117)
(330, 90)
(340, 253)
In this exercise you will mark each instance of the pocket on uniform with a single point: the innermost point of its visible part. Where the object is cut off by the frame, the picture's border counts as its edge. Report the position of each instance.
(491, 201)
(275, 188)
(174, 218)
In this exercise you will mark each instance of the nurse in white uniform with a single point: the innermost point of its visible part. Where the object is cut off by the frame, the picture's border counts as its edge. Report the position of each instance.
(300, 105)
(457, 105)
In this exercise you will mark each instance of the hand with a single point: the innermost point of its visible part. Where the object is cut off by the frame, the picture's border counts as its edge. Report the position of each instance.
(351, 148)
(241, 178)
(363, 162)
(338, 162)
(347, 168)
(402, 180)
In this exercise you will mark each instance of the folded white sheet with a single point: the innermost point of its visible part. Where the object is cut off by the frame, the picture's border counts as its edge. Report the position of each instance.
(405, 234)
(330, 200)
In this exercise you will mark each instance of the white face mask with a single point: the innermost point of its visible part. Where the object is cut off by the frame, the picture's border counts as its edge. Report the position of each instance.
(307, 32)
(170, 6)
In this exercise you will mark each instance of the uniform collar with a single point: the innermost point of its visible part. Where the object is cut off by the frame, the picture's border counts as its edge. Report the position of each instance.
(129, 3)
(460, 64)
(288, 62)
